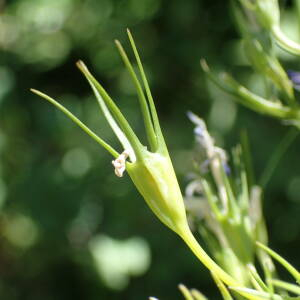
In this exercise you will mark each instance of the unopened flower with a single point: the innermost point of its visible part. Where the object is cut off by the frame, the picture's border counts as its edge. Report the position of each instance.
(150, 170)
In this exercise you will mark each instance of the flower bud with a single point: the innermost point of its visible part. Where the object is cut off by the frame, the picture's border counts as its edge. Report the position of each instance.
(155, 179)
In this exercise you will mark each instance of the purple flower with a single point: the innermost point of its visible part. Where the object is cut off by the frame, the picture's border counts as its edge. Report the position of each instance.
(295, 78)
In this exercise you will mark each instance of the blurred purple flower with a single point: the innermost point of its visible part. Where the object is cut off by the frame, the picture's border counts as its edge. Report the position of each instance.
(295, 78)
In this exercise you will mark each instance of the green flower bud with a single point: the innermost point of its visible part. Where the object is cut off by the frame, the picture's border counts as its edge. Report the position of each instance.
(155, 179)
(150, 170)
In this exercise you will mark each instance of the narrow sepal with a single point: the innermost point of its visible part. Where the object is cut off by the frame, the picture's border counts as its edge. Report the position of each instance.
(281, 260)
(161, 142)
(142, 99)
(118, 116)
(95, 137)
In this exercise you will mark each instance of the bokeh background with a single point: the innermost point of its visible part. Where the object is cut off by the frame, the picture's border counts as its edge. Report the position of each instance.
(69, 228)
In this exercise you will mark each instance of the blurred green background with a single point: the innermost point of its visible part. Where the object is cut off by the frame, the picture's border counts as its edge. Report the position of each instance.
(69, 228)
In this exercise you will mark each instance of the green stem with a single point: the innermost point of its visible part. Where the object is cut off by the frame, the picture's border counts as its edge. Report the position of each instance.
(284, 42)
(187, 236)
(192, 243)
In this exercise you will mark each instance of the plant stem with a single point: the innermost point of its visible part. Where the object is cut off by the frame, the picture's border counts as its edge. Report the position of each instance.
(284, 42)
(187, 236)
(192, 243)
